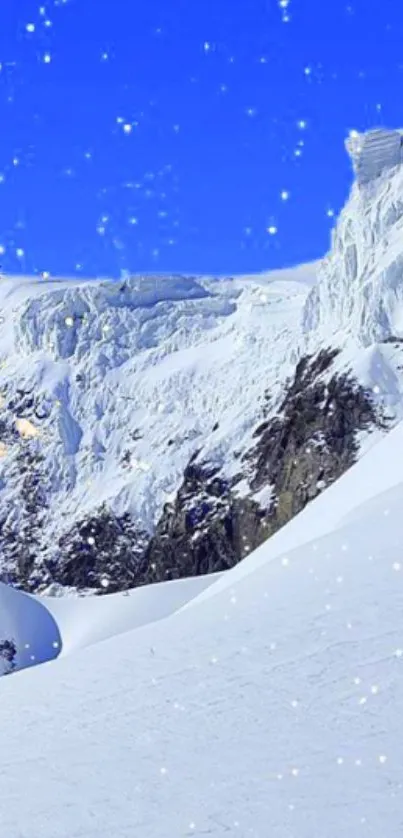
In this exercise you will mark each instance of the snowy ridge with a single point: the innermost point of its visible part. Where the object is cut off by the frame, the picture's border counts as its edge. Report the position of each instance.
(359, 294)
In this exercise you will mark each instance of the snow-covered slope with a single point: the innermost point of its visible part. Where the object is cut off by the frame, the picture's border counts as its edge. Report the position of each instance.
(161, 357)
(122, 382)
(273, 708)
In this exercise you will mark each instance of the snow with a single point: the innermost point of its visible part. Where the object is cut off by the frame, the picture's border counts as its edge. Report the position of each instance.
(84, 621)
(30, 624)
(373, 152)
(162, 356)
(271, 708)
(376, 472)
(170, 358)
(358, 295)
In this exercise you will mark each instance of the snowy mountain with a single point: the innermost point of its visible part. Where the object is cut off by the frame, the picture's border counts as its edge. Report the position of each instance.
(164, 427)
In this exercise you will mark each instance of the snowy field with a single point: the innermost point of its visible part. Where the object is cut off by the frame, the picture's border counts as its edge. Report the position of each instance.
(270, 706)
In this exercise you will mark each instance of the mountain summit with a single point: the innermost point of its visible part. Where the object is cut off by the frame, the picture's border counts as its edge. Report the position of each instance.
(162, 427)
(359, 292)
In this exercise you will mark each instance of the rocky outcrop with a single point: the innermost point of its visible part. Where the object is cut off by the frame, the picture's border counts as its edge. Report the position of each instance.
(313, 440)
(213, 522)
(207, 529)
(310, 443)
(101, 553)
(21, 524)
(8, 653)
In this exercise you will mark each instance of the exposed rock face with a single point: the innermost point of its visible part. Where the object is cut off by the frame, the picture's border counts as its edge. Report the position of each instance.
(209, 526)
(206, 529)
(300, 451)
(20, 526)
(313, 440)
(8, 652)
(102, 552)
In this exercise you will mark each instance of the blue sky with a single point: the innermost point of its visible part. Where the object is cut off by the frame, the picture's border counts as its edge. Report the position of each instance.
(185, 135)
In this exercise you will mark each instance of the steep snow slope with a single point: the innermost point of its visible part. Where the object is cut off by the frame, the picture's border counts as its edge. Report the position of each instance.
(359, 290)
(272, 709)
(163, 358)
(122, 382)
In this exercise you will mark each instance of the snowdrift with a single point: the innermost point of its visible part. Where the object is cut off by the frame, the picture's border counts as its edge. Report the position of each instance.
(271, 708)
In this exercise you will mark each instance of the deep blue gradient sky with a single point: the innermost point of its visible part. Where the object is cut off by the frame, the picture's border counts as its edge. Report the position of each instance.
(172, 135)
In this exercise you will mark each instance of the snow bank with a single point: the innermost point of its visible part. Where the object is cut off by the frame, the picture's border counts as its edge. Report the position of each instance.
(272, 709)
(28, 622)
(82, 622)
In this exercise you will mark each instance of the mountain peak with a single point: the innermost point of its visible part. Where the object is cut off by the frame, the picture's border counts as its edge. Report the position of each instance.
(359, 293)
(374, 151)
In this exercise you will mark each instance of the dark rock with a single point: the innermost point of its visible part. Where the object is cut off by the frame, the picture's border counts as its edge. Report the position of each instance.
(101, 552)
(207, 528)
(8, 652)
(21, 525)
(298, 453)
(314, 438)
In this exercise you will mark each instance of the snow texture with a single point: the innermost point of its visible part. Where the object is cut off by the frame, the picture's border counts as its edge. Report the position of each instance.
(358, 298)
(374, 152)
(271, 708)
(128, 367)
